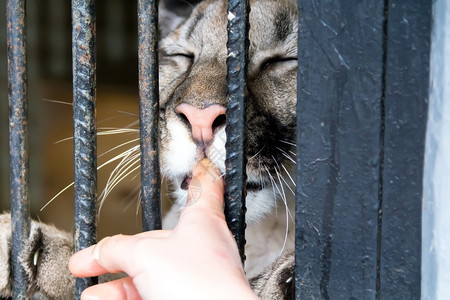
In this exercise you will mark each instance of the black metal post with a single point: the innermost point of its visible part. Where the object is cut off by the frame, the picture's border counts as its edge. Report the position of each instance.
(340, 79)
(84, 128)
(18, 139)
(149, 113)
(235, 162)
(406, 94)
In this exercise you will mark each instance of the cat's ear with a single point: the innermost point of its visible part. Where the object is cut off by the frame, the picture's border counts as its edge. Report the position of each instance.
(172, 13)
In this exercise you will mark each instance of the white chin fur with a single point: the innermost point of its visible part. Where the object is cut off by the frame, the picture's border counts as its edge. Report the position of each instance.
(181, 154)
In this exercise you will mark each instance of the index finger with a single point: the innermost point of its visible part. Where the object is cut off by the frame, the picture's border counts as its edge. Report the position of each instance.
(85, 263)
(107, 256)
(206, 187)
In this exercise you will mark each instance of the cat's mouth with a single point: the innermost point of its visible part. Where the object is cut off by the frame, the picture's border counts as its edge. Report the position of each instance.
(185, 183)
(251, 186)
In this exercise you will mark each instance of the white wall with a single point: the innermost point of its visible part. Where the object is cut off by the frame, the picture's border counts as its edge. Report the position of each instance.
(436, 202)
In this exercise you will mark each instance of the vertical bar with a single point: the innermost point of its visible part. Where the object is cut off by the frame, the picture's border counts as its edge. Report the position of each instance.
(406, 103)
(84, 128)
(149, 113)
(235, 161)
(18, 139)
(340, 79)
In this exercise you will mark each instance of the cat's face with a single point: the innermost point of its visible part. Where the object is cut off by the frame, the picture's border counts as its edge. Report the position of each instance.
(193, 99)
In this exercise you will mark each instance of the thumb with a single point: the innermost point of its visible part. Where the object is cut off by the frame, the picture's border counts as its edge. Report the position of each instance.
(206, 187)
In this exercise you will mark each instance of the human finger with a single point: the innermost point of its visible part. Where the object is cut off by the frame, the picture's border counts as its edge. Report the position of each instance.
(107, 255)
(122, 289)
(206, 186)
(85, 263)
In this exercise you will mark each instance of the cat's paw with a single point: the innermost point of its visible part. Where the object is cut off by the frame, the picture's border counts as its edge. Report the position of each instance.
(277, 280)
(45, 260)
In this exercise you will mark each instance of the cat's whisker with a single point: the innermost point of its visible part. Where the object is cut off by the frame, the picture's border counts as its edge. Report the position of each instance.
(134, 191)
(57, 101)
(289, 143)
(129, 159)
(118, 146)
(128, 114)
(288, 174)
(138, 205)
(107, 131)
(288, 212)
(121, 155)
(128, 152)
(56, 196)
(112, 131)
(120, 116)
(257, 153)
(121, 168)
(288, 185)
(286, 155)
(274, 187)
(261, 170)
(221, 175)
(113, 185)
(283, 197)
(279, 174)
(63, 140)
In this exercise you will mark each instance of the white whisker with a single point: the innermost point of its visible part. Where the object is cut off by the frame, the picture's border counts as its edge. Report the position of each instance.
(58, 101)
(129, 159)
(123, 166)
(257, 153)
(289, 175)
(134, 191)
(126, 113)
(289, 143)
(286, 155)
(283, 197)
(56, 196)
(111, 131)
(118, 146)
(63, 140)
(274, 185)
(113, 185)
(119, 156)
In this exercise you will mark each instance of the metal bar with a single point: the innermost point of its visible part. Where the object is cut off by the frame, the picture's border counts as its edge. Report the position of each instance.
(406, 104)
(18, 139)
(84, 128)
(148, 113)
(235, 161)
(338, 135)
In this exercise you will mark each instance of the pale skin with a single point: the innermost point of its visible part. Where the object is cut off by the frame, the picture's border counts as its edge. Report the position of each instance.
(198, 259)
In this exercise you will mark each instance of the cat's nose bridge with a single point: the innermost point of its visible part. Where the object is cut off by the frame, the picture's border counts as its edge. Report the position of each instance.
(204, 121)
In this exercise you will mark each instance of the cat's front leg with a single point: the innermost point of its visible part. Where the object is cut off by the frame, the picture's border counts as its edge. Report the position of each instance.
(45, 260)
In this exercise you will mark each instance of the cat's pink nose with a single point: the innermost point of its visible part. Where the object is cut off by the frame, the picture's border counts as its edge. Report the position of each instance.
(203, 121)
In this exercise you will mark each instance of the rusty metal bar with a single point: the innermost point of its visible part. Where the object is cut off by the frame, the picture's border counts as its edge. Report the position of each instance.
(84, 128)
(18, 140)
(235, 161)
(148, 113)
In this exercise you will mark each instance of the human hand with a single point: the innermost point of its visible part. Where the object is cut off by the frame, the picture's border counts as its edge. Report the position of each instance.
(198, 259)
